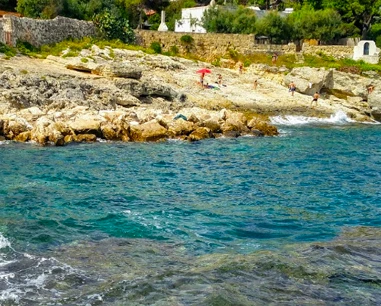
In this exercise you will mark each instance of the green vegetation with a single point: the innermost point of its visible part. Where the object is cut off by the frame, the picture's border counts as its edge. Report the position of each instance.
(8, 51)
(222, 20)
(112, 26)
(156, 47)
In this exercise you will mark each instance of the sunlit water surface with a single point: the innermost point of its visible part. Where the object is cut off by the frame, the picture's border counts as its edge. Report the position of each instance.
(293, 219)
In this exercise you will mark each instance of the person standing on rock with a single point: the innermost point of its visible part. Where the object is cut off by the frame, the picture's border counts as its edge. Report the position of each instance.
(315, 98)
(274, 58)
(255, 84)
(202, 76)
(292, 88)
(370, 88)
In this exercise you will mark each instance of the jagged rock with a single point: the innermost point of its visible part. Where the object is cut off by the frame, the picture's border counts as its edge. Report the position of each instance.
(263, 127)
(15, 126)
(149, 131)
(309, 80)
(85, 138)
(349, 84)
(126, 100)
(87, 125)
(235, 122)
(23, 137)
(257, 133)
(181, 127)
(112, 131)
(200, 133)
(75, 63)
(120, 70)
(374, 101)
(212, 124)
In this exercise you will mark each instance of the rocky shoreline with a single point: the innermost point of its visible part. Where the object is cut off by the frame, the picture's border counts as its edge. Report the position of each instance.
(122, 95)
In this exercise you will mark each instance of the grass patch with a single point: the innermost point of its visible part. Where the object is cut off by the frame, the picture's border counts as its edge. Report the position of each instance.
(7, 50)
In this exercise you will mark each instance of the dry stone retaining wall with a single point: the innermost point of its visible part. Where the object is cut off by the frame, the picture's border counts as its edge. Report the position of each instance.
(211, 45)
(40, 32)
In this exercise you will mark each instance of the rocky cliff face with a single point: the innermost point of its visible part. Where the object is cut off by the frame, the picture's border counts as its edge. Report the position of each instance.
(132, 96)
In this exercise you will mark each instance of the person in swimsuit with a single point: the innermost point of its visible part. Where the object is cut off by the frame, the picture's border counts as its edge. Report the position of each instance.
(292, 88)
(274, 58)
(202, 76)
(315, 98)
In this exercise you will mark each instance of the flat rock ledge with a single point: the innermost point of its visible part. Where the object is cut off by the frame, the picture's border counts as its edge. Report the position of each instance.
(140, 125)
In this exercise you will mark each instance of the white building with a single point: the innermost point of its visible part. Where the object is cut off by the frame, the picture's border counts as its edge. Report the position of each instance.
(367, 51)
(191, 19)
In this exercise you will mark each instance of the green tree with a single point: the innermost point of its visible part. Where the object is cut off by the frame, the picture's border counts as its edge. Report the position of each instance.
(274, 27)
(325, 25)
(359, 13)
(112, 26)
(221, 20)
(32, 8)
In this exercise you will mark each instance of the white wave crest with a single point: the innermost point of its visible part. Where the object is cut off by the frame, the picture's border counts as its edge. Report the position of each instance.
(339, 117)
(4, 242)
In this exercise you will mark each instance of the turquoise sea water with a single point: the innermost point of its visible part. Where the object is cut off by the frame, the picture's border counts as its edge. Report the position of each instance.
(290, 220)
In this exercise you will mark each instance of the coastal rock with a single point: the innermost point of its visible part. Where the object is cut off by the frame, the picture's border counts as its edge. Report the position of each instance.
(120, 70)
(146, 88)
(349, 84)
(47, 131)
(309, 80)
(15, 126)
(212, 124)
(87, 124)
(374, 101)
(23, 137)
(200, 133)
(235, 122)
(118, 131)
(85, 138)
(149, 131)
(83, 64)
(181, 127)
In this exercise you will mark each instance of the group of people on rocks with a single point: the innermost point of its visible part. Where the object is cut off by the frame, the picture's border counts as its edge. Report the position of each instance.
(291, 86)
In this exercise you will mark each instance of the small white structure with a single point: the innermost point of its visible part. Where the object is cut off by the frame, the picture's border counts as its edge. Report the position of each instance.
(191, 19)
(367, 51)
(162, 27)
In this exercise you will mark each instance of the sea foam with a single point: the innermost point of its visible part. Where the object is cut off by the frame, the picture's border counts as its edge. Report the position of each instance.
(339, 117)
(4, 242)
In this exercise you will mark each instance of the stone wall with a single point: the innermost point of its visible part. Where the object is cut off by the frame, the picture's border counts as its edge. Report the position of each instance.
(40, 32)
(209, 45)
(212, 45)
(335, 51)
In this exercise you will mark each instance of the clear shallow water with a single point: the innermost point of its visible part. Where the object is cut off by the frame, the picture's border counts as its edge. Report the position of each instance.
(240, 221)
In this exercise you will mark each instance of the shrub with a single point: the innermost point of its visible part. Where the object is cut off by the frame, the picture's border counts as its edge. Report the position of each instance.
(156, 47)
(8, 51)
(111, 26)
(26, 48)
(186, 39)
(174, 50)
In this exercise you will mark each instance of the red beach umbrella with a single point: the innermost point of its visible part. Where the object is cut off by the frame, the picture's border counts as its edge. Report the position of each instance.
(204, 70)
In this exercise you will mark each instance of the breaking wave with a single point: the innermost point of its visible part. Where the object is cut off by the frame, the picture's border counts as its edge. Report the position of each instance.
(339, 117)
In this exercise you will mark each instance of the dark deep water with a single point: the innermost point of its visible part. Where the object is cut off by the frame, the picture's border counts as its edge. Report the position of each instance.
(289, 220)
